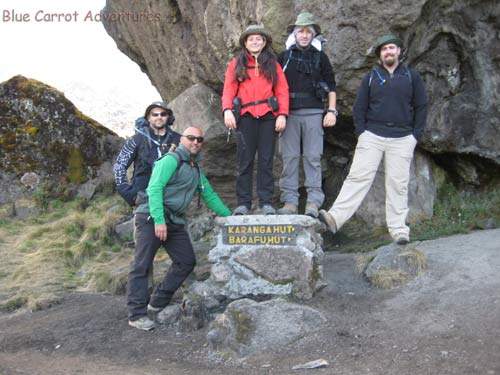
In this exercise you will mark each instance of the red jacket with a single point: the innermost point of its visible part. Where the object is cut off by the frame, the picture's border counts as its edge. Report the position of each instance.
(255, 87)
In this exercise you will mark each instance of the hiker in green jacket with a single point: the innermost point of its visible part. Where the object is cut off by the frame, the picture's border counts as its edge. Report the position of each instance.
(161, 221)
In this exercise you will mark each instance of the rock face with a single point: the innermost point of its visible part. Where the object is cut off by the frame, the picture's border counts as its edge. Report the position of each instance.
(262, 256)
(43, 132)
(454, 45)
(248, 327)
(199, 106)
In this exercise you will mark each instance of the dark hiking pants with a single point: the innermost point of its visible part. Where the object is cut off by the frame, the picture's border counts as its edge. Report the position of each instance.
(255, 135)
(179, 248)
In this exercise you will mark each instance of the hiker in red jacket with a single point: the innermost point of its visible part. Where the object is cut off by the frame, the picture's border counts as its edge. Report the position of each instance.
(255, 104)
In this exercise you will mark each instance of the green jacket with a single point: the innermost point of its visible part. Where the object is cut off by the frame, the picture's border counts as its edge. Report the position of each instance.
(172, 188)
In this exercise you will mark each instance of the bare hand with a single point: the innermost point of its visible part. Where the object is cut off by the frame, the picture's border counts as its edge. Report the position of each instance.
(280, 123)
(229, 119)
(161, 231)
(329, 120)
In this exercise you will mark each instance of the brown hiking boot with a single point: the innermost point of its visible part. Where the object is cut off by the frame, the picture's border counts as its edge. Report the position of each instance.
(288, 209)
(311, 210)
(328, 219)
(402, 239)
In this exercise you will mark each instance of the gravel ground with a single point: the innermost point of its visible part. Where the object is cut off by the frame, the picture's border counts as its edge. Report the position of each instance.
(446, 321)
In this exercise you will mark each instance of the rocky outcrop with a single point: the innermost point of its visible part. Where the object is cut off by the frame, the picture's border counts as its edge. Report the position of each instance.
(199, 106)
(453, 44)
(42, 132)
(392, 265)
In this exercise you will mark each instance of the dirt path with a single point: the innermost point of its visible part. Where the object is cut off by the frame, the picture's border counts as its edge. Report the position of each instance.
(444, 322)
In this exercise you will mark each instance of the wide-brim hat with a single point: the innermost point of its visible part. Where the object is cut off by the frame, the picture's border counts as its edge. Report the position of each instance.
(305, 19)
(158, 104)
(255, 29)
(386, 39)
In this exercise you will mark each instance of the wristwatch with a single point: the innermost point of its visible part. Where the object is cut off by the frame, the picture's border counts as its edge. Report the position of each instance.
(334, 111)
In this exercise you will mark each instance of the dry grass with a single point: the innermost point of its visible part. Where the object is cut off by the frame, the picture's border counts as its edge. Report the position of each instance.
(362, 261)
(60, 251)
(416, 259)
(388, 278)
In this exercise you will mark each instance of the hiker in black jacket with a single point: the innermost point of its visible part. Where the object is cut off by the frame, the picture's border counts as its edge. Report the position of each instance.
(313, 100)
(389, 115)
(153, 137)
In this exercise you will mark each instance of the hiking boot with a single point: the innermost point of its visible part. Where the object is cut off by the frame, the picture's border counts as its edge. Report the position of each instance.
(402, 239)
(311, 210)
(288, 209)
(143, 323)
(328, 219)
(154, 309)
(241, 210)
(267, 209)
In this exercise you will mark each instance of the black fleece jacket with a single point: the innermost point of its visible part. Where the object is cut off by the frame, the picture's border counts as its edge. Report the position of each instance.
(391, 105)
(302, 74)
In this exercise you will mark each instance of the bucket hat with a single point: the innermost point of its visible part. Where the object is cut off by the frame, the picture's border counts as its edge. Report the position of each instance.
(386, 39)
(305, 19)
(255, 29)
(158, 104)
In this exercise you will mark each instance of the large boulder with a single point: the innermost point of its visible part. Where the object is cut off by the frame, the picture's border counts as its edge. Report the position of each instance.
(248, 327)
(456, 47)
(44, 133)
(453, 44)
(199, 106)
(421, 193)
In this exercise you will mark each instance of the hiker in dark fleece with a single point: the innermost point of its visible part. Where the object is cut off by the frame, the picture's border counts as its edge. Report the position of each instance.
(153, 137)
(161, 222)
(389, 115)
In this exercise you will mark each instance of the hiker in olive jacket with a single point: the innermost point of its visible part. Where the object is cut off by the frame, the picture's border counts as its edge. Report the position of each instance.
(161, 221)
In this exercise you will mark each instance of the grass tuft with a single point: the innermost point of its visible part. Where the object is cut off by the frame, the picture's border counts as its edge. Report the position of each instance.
(362, 261)
(386, 278)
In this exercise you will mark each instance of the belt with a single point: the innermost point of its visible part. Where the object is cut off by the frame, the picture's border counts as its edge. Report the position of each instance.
(254, 103)
(392, 124)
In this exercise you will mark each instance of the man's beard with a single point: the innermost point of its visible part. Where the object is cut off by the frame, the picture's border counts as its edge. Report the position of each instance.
(390, 61)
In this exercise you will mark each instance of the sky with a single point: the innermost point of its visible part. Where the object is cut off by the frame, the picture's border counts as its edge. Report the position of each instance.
(75, 56)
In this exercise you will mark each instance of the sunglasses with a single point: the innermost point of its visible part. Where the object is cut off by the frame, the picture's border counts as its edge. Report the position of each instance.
(192, 138)
(156, 114)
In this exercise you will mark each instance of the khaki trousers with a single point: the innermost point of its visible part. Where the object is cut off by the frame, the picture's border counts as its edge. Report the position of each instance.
(397, 153)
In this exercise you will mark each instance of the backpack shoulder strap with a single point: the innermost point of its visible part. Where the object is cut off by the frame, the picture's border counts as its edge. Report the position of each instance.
(317, 60)
(289, 56)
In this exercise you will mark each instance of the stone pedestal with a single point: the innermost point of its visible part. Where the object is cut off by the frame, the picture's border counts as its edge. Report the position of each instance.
(262, 256)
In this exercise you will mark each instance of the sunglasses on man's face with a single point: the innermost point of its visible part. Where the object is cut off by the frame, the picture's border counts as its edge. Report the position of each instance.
(156, 114)
(192, 138)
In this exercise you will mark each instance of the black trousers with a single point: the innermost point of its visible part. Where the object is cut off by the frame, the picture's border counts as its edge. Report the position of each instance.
(255, 135)
(179, 248)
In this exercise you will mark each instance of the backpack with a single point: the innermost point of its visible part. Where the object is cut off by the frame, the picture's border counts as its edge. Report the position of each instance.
(141, 127)
(181, 161)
